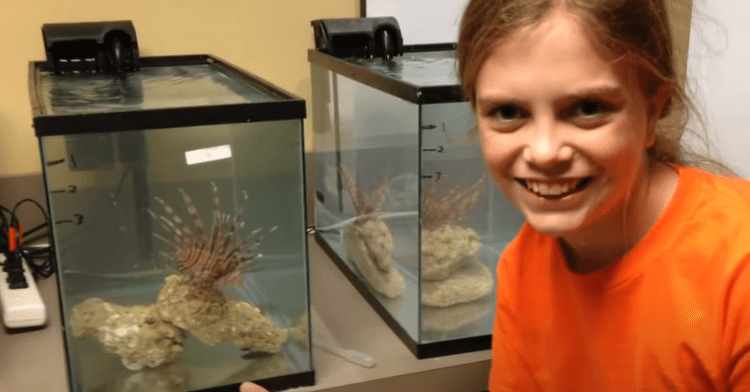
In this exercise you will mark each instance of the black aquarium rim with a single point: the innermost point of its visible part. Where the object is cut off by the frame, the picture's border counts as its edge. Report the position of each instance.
(278, 383)
(430, 47)
(420, 351)
(287, 106)
(397, 87)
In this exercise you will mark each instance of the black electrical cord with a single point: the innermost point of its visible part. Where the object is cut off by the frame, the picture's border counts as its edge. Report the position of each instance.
(40, 258)
(4, 227)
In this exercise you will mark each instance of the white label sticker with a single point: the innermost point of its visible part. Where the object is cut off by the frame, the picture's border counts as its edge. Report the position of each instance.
(208, 154)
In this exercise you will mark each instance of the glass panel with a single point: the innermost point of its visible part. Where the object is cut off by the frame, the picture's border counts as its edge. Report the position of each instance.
(149, 88)
(142, 285)
(466, 224)
(366, 165)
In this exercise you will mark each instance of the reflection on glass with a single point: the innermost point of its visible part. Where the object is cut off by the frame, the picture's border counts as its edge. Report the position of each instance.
(149, 88)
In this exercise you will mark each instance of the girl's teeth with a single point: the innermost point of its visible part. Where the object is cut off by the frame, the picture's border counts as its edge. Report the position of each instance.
(545, 189)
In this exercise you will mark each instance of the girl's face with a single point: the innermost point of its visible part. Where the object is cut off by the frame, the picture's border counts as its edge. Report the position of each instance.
(564, 125)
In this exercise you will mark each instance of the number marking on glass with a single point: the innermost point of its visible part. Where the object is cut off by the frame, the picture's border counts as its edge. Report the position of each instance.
(70, 189)
(435, 175)
(437, 149)
(57, 162)
(77, 219)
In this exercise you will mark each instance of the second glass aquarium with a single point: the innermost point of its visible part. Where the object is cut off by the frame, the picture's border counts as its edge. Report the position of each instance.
(402, 201)
(177, 196)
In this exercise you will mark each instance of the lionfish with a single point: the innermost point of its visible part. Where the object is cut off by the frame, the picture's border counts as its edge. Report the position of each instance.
(439, 211)
(365, 207)
(221, 255)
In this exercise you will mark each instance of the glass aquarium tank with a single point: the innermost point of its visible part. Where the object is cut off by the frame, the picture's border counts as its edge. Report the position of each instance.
(177, 196)
(402, 201)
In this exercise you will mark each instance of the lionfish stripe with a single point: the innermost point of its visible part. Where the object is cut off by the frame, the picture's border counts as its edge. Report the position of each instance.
(216, 232)
(211, 263)
(225, 244)
(233, 253)
(172, 227)
(217, 203)
(377, 199)
(158, 219)
(172, 214)
(251, 257)
(233, 278)
(200, 228)
(164, 240)
(166, 206)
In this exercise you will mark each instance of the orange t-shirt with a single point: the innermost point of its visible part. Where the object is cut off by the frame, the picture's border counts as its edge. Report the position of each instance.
(672, 315)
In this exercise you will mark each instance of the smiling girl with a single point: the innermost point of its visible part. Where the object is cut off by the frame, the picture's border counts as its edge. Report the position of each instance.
(632, 272)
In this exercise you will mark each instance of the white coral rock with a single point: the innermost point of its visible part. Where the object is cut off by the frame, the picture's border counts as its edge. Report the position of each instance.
(451, 318)
(470, 282)
(369, 245)
(87, 316)
(249, 328)
(197, 306)
(140, 337)
(192, 303)
(446, 249)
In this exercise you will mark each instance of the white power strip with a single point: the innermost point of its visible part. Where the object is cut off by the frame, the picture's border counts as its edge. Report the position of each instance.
(21, 307)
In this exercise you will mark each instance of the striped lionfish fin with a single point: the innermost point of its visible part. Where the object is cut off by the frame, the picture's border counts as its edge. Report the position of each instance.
(200, 227)
(179, 227)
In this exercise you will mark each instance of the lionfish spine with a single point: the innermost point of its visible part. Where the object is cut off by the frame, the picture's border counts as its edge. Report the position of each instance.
(157, 236)
(171, 227)
(200, 227)
(363, 205)
(357, 198)
(217, 203)
(179, 223)
(226, 238)
(453, 206)
(246, 241)
(159, 220)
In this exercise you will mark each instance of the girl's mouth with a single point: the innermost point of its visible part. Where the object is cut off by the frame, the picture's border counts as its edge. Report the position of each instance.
(555, 189)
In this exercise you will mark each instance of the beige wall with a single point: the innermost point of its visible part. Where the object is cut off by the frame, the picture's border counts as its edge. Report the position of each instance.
(269, 38)
(680, 12)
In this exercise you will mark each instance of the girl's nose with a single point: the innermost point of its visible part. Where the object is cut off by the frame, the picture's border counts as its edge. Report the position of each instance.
(547, 148)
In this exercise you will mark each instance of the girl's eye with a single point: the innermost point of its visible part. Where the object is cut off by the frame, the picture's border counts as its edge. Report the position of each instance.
(504, 116)
(589, 108)
(508, 113)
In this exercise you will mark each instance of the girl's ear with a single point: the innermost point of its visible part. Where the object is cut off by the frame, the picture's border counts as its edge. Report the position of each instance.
(657, 104)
